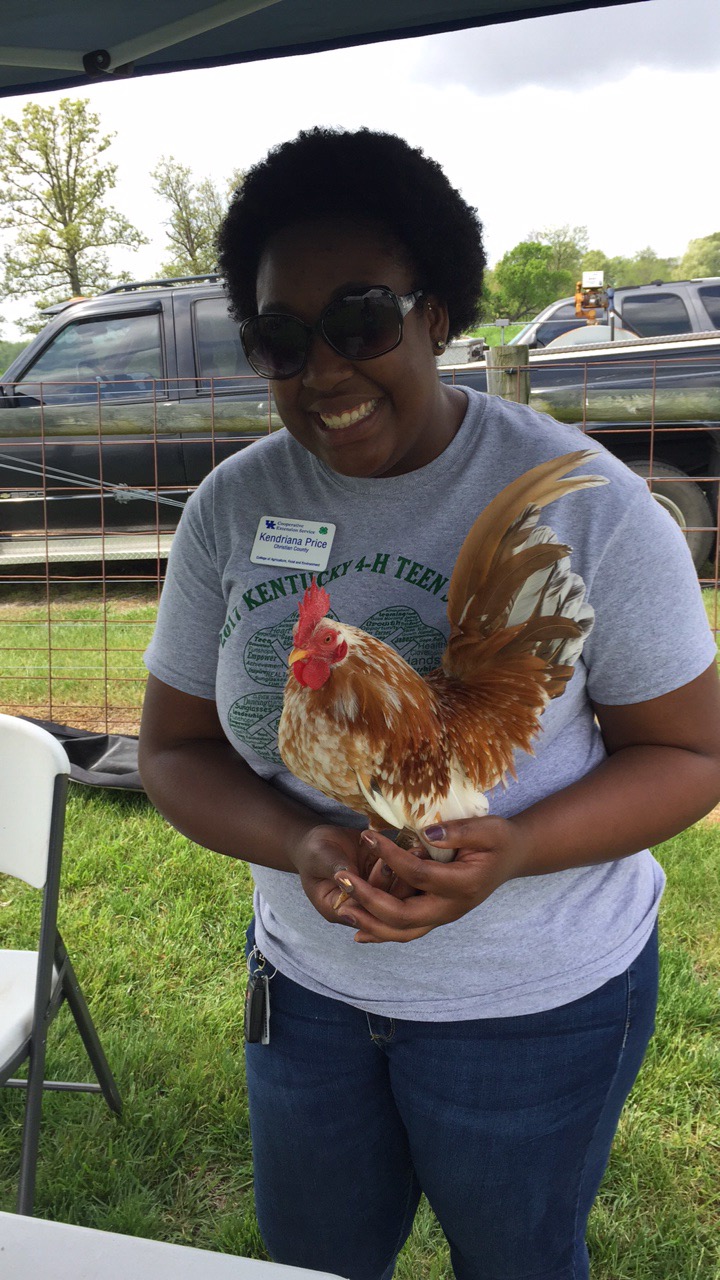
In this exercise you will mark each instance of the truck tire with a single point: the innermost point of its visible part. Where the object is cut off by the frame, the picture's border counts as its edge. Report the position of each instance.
(686, 503)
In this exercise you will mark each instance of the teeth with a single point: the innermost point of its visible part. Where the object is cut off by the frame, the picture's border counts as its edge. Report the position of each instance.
(350, 417)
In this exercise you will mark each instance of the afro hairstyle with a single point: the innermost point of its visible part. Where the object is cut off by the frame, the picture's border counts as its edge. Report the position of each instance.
(362, 175)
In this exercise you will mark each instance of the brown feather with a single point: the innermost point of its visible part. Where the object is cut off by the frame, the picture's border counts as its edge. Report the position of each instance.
(496, 531)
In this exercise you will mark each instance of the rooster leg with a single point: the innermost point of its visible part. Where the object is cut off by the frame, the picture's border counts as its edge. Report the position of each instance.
(405, 840)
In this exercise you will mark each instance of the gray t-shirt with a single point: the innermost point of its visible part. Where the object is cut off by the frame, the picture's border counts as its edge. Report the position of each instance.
(224, 632)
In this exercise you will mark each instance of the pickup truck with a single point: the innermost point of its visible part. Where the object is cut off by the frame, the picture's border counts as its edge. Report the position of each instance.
(648, 310)
(118, 408)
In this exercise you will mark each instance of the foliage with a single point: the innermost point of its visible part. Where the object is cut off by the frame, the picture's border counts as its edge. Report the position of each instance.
(53, 190)
(8, 352)
(545, 267)
(196, 208)
(568, 245)
(701, 258)
(526, 279)
(644, 267)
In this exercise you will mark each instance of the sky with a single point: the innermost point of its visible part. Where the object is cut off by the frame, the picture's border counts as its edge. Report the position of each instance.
(605, 119)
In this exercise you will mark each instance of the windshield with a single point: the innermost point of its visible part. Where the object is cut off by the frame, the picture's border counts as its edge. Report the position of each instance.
(519, 337)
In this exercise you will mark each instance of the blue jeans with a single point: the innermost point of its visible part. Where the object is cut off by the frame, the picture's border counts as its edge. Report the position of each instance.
(504, 1123)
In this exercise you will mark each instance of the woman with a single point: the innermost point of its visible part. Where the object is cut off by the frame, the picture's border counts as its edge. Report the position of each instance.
(487, 1063)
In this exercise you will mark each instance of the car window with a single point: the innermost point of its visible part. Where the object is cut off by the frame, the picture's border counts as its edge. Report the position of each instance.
(551, 329)
(710, 298)
(218, 351)
(654, 314)
(565, 312)
(113, 357)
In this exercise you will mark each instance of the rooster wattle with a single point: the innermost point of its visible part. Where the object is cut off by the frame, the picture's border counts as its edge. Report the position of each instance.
(407, 751)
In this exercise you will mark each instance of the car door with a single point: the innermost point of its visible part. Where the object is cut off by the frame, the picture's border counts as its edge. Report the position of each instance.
(223, 404)
(82, 442)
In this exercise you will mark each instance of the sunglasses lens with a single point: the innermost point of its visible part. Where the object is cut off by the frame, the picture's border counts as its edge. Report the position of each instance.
(364, 325)
(275, 345)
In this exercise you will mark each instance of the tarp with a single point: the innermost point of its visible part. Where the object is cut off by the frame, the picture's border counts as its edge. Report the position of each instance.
(56, 44)
(97, 759)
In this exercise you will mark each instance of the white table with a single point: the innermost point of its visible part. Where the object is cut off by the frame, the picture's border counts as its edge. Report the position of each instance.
(31, 1249)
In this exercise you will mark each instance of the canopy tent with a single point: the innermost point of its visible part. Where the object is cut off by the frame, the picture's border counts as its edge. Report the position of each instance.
(56, 44)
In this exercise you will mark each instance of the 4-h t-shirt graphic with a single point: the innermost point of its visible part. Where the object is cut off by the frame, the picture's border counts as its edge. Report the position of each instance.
(254, 717)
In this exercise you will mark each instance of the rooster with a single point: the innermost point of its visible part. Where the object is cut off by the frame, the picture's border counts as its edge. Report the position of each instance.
(408, 751)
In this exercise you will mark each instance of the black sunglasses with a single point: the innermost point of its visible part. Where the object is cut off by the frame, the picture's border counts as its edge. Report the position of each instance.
(358, 326)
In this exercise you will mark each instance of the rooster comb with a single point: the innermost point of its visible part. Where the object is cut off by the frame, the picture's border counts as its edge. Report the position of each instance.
(314, 606)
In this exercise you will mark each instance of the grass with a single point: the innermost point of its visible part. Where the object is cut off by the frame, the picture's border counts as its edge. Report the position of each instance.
(494, 335)
(155, 926)
(75, 654)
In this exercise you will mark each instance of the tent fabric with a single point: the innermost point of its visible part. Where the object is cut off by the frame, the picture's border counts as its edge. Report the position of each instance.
(97, 759)
(57, 44)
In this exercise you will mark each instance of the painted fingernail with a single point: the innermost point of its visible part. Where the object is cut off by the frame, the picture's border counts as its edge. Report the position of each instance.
(435, 833)
(369, 838)
(348, 919)
(386, 870)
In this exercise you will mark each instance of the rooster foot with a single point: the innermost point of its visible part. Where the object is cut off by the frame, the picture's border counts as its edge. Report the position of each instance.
(406, 839)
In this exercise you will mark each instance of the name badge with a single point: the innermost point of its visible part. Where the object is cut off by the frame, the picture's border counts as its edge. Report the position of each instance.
(296, 544)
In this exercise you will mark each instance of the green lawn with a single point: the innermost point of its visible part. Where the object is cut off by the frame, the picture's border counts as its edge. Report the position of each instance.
(155, 927)
(494, 335)
(76, 657)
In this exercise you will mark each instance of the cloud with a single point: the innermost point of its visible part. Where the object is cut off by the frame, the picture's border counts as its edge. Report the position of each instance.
(576, 50)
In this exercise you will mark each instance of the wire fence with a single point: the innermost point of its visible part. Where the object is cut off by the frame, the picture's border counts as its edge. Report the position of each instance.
(91, 490)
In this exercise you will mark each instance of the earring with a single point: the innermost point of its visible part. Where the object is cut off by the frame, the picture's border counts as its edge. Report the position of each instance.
(440, 345)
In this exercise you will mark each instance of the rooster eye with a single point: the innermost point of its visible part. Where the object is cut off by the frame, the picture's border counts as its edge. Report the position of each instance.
(329, 638)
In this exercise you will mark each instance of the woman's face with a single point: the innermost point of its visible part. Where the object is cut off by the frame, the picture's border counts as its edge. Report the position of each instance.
(404, 416)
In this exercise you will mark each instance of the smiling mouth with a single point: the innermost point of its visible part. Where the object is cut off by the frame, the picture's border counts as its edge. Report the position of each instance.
(336, 421)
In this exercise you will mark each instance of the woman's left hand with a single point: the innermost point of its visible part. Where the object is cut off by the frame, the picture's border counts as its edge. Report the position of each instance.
(491, 851)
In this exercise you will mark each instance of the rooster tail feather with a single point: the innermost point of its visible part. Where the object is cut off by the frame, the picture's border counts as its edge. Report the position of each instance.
(505, 524)
(512, 592)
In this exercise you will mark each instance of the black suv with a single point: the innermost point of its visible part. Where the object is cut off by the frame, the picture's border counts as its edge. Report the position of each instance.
(120, 406)
(648, 310)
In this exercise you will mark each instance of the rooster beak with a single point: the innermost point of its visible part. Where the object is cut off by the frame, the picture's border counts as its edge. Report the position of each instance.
(297, 655)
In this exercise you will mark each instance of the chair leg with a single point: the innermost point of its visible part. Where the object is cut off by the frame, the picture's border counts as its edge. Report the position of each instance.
(31, 1125)
(86, 1027)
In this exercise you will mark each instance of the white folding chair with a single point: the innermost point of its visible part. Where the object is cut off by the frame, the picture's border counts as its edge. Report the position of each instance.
(34, 771)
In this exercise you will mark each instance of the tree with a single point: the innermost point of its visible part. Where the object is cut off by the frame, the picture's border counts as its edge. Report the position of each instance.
(53, 187)
(643, 268)
(525, 280)
(196, 210)
(568, 244)
(701, 258)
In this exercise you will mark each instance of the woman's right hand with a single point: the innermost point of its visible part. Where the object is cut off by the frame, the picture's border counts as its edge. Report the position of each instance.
(321, 856)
